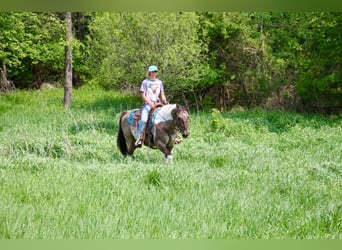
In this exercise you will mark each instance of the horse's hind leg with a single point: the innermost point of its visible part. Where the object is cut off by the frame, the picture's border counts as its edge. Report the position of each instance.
(131, 145)
(129, 138)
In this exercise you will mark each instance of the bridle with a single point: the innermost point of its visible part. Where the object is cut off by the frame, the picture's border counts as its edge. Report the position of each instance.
(180, 123)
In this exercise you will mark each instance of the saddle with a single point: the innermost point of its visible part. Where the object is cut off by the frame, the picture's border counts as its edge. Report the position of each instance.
(135, 115)
(134, 118)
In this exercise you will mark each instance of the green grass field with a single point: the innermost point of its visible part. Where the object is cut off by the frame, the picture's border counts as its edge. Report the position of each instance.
(240, 175)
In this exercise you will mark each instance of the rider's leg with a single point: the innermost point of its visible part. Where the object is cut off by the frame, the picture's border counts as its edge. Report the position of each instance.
(145, 110)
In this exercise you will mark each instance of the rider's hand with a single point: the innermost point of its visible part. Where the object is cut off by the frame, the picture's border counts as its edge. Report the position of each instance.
(152, 105)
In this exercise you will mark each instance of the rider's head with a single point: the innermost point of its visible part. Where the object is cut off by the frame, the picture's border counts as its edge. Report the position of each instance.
(152, 70)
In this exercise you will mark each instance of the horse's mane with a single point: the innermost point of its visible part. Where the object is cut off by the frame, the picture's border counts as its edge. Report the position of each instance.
(164, 113)
(168, 108)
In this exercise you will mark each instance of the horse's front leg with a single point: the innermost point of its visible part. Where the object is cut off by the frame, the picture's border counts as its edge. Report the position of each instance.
(163, 148)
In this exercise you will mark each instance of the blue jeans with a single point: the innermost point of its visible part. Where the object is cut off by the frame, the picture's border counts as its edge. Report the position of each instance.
(145, 111)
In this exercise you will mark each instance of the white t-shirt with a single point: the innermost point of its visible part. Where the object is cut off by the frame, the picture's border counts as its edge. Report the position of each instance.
(152, 89)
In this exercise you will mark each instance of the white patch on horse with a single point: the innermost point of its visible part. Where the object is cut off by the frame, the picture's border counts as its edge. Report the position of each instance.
(164, 114)
(169, 159)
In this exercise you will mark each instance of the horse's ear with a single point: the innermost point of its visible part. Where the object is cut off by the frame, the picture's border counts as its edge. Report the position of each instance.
(187, 108)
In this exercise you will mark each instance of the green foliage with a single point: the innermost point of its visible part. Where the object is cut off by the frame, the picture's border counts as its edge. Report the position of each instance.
(32, 46)
(308, 43)
(216, 119)
(240, 59)
(218, 161)
(254, 175)
(207, 59)
(123, 45)
(153, 178)
(229, 127)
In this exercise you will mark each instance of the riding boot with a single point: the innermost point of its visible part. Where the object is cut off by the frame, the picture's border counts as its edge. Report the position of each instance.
(141, 132)
(142, 125)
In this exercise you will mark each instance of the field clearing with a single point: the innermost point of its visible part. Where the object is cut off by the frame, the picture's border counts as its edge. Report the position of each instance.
(239, 175)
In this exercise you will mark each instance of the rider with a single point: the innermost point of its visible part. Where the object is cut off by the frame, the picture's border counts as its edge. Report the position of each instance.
(152, 93)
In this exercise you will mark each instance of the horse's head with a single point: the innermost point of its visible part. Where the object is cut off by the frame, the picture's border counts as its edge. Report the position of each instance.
(181, 115)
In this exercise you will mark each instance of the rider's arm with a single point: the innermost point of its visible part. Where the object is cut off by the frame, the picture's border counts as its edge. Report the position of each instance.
(163, 98)
(145, 99)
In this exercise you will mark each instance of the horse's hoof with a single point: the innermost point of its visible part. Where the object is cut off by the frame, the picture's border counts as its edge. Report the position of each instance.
(169, 159)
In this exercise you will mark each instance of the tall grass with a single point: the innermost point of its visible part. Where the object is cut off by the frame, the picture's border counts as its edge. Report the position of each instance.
(245, 174)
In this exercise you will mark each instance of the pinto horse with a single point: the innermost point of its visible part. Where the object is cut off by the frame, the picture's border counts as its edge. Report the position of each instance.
(161, 129)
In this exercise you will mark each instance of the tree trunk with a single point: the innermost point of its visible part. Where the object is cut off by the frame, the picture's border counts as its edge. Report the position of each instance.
(221, 97)
(3, 79)
(80, 26)
(5, 84)
(68, 62)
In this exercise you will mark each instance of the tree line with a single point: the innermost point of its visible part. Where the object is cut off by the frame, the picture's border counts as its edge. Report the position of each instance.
(289, 61)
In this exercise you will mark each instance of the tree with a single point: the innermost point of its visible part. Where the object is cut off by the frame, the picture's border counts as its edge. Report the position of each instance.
(319, 81)
(123, 45)
(309, 45)
(79, 50)
(292, 58)
(11, 50)
(206, 59)
(31, 47)
(68, 61)
(239, 60)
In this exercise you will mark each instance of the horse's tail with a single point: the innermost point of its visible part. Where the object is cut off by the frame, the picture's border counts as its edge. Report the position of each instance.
(121, 141)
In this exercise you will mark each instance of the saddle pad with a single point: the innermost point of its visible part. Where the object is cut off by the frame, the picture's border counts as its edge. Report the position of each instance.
(156, 111)
(132, 117)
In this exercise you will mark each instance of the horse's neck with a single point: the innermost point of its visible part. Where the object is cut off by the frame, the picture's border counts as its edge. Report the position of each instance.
(165, 114)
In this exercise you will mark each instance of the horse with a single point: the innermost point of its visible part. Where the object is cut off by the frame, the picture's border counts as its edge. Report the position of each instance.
(160, 132)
